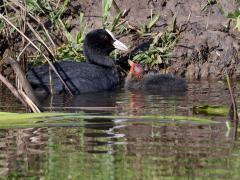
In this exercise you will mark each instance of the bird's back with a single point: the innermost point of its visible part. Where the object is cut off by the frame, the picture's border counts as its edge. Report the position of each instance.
(81, 77)
(163, 82)
(157, 82)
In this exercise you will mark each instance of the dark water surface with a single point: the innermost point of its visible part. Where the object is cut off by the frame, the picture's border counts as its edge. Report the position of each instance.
(123, 148)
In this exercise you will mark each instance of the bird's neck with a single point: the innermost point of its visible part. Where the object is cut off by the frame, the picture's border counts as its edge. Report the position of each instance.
(101, 59)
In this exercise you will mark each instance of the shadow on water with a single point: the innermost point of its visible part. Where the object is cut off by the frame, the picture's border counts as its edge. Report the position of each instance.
(123, 148)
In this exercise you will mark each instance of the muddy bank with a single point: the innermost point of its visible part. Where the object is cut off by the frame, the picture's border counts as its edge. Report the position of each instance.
(208, 46)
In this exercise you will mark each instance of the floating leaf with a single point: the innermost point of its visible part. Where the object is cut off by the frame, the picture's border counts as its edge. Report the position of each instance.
(211, 110)
(54, 118)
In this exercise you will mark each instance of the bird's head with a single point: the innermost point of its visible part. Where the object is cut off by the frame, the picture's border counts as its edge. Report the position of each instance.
(103, 41)
(136, 70)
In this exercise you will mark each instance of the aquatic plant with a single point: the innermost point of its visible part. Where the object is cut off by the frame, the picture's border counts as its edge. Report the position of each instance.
(10, 120)
(213, 110)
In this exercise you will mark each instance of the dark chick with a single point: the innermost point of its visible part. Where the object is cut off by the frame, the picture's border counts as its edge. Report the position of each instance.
(98, 73)
(136, 80)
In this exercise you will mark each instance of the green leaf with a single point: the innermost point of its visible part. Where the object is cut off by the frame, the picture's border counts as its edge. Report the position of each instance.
(153, 21)
(59, 13)
(159, 59)
(215, 110)
(50, 118)
(106, 5)
(156, 39)
(234, 15)
(81, 34)
(116, 20)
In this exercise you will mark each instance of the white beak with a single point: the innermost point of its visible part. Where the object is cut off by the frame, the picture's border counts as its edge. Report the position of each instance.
(119, 45)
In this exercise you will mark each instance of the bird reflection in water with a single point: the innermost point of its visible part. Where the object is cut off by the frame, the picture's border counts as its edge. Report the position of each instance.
(136, 103)
(100, 135)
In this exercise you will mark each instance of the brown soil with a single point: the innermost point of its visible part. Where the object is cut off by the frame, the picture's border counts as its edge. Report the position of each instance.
(207, 48)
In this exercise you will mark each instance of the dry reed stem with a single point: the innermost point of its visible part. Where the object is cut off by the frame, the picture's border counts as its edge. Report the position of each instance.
(40, 39)
(38, 21)
(12, 89)
(48, 60)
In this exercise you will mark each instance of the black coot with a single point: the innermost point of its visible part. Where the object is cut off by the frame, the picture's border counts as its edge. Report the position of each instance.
(98, 73)
(153, 81)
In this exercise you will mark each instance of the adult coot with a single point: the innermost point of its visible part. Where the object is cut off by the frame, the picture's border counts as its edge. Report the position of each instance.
(98, 73)
(157, 82)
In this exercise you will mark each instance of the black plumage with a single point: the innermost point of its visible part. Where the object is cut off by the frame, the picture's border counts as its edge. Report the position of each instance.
(156, 82)
(98, 73)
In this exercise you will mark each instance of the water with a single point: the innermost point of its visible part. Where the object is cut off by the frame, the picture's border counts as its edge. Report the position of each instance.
(125, 148)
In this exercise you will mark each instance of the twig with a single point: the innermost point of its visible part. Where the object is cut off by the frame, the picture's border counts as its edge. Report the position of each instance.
(234, 106)
(48, 60)
(23, 50)
(30, 103)
(38, 21)
(12, 89)
(58, 3)
(21, 95)
(118, 10)
(23, 81)
(40, 39)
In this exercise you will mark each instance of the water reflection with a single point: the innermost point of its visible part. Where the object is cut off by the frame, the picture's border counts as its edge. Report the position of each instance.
(126, 148)
(148, 150)
(139, 103)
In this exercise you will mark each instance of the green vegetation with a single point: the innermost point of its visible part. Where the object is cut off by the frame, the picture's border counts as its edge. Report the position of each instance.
(42, 119)
(106, 7)
(147, 27)
(159, 50)
(115, 24)
(235, 16)
(70, 154)
(215, 110)
(41, 31)
(45, 25)
(161, 46)
(73, 49)
(36, 119)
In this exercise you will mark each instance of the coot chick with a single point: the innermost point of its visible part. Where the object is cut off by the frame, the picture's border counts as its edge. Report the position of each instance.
(98, 73)
(156, 82)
